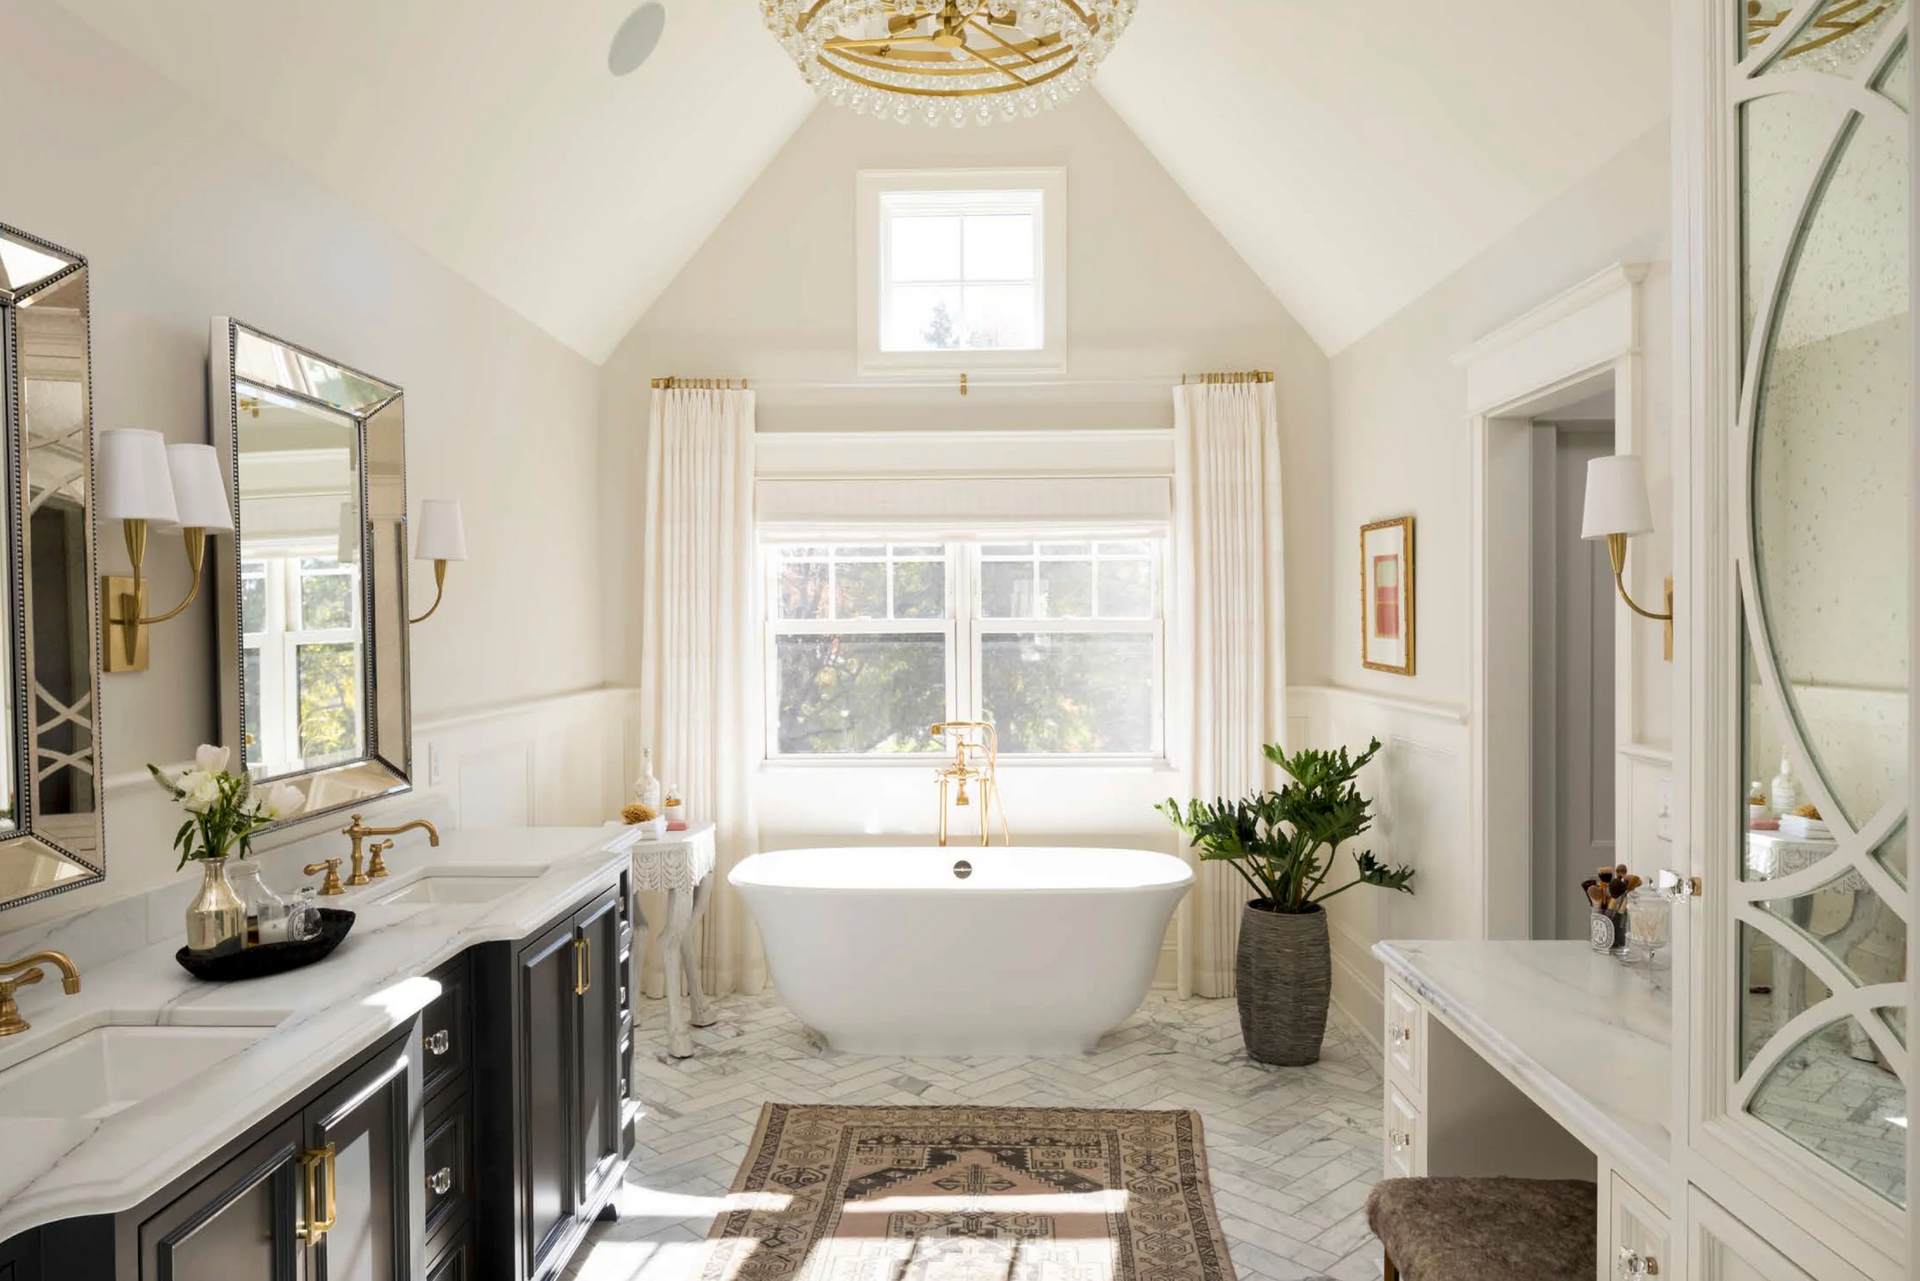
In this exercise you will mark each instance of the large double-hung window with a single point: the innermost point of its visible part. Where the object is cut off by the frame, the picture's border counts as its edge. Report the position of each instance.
(1059, 642)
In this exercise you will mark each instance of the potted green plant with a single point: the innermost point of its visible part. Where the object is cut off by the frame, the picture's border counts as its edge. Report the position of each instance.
(1283, 844)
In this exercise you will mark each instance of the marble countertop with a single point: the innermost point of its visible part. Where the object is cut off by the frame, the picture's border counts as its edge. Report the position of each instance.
(1589, 1039)
(321, 1017)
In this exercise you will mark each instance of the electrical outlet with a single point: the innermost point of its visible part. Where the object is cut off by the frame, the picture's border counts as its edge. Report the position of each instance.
(433, 764)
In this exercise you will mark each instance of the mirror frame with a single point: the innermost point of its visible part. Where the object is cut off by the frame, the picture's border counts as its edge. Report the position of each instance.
(385, 768)
(29, 836)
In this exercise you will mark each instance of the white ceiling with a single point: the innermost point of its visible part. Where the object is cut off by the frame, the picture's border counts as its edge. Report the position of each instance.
(491, 133)
(1357, 154)
(1353, 154)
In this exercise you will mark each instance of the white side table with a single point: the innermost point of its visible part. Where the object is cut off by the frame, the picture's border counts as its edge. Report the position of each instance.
(679, 864)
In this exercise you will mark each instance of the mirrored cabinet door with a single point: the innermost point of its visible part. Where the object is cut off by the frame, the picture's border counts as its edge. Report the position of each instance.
(313, 588)
(1802, 792)
(50, 810)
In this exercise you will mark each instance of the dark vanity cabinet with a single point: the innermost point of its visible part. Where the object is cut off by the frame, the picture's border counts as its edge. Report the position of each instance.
(549, 1080)
(320, 1192)
(475, 1144)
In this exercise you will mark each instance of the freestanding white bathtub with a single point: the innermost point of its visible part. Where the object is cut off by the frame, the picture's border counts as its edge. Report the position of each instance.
(894, 951)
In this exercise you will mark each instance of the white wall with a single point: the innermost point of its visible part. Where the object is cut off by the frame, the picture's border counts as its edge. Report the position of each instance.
(1152, 289)
(181, 220)
(1400, 444)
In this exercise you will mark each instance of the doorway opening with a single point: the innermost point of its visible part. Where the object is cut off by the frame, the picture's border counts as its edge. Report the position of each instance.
(1572, 681)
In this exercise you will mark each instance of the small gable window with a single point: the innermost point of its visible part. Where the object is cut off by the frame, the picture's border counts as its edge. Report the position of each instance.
(962, 269)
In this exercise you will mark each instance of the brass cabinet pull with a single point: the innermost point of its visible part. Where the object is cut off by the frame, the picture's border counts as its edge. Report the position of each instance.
(316, 1227)
(582, 965)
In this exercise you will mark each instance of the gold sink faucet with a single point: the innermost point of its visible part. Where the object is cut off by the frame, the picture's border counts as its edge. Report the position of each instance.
(364, 874)
(10, 1020)
(976, 758)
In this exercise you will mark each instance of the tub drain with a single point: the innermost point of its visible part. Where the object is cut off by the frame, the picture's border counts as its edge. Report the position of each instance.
(963, 869)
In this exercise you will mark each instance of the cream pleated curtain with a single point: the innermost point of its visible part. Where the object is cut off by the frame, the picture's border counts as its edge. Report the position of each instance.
(1232, 623)
(699, 684)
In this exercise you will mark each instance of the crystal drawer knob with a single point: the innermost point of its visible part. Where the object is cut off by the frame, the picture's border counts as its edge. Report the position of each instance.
(442, 1181)
(1400, 1139)
(1635, 1264)
(1398, 1035)
(439, 1042)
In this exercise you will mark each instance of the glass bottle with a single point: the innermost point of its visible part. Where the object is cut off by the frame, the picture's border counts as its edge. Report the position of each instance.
(267, 912)
(1784, 794)
(646, 788)
(303, 916)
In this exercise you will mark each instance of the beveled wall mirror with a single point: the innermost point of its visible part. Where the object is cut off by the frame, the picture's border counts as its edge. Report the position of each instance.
(313, 587)
(50, 828)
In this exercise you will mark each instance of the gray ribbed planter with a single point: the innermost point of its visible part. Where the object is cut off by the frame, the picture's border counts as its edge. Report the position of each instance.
(1282, 975)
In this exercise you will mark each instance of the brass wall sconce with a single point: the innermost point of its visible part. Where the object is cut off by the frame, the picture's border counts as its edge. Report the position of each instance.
(442, 538)
(147, 484)
(1616, 509)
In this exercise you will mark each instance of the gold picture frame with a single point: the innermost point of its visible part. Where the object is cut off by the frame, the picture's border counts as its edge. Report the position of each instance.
(1387, 596)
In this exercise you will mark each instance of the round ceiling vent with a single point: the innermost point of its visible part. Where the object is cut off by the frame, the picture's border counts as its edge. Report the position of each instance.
(636, 39)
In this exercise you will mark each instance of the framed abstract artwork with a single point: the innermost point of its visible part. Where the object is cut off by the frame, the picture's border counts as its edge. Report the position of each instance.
(1386, 595)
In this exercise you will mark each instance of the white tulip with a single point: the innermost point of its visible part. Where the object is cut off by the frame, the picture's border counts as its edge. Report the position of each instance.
(200, 790)
(209, 759)
(282, 801)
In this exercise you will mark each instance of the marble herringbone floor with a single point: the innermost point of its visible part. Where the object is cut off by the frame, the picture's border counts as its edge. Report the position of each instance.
(1292, 1151)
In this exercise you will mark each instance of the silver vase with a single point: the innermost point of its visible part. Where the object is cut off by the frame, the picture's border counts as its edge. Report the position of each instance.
(216, 919)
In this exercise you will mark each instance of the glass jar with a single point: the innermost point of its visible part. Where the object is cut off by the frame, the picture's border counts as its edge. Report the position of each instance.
(267, 912)
(1649, 928)
(303, 916)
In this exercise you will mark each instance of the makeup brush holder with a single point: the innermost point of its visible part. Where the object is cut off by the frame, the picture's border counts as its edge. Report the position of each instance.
(1607, 931)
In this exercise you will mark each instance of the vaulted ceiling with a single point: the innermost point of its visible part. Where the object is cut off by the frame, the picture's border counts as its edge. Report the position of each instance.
(1353, 154)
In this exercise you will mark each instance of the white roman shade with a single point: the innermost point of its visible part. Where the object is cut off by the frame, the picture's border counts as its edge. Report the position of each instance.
(940, 507)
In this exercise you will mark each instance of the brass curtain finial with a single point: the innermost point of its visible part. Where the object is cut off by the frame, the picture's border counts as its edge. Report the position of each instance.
(672, 383)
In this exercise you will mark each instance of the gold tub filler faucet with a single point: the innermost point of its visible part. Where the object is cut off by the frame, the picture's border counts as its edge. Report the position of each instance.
(976, 756)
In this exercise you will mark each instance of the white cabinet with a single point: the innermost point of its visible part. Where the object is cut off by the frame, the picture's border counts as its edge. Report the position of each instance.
(1793, 499)
(1637, 1238)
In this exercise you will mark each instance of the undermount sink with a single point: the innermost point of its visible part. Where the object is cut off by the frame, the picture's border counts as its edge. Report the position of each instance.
(452, 889)
(108, 1069)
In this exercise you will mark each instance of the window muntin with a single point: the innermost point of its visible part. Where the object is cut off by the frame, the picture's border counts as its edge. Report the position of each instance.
(962, 271)
(1060, 643)
(300, 610)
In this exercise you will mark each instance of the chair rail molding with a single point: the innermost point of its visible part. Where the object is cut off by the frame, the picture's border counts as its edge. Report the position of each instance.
(1587, 334)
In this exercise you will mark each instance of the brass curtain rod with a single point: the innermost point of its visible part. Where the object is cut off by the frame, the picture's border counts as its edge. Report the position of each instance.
(1241, 376)
(700, 384)
(964, 382)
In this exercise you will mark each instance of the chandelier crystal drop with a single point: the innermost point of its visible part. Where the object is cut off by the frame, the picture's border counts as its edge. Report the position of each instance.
(952, 62)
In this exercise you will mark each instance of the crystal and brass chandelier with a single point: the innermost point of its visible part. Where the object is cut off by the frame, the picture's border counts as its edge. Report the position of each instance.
(950, 61)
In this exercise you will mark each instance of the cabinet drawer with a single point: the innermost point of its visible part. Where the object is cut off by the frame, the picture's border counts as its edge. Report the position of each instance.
(456, 1264)
(1405, 1139)
(446, 1031)
(1406, 1034)
(1637, 1234)
(448, 1169)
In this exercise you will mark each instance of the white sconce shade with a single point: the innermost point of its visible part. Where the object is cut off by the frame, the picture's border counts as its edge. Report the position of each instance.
(443, 535)
(199, 493)
(1616, 498)
(135, 482)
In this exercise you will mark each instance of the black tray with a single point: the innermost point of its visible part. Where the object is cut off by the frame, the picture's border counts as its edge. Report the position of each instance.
(270, 958)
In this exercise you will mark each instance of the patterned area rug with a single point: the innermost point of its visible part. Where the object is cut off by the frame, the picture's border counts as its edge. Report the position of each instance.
(971, 1194)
